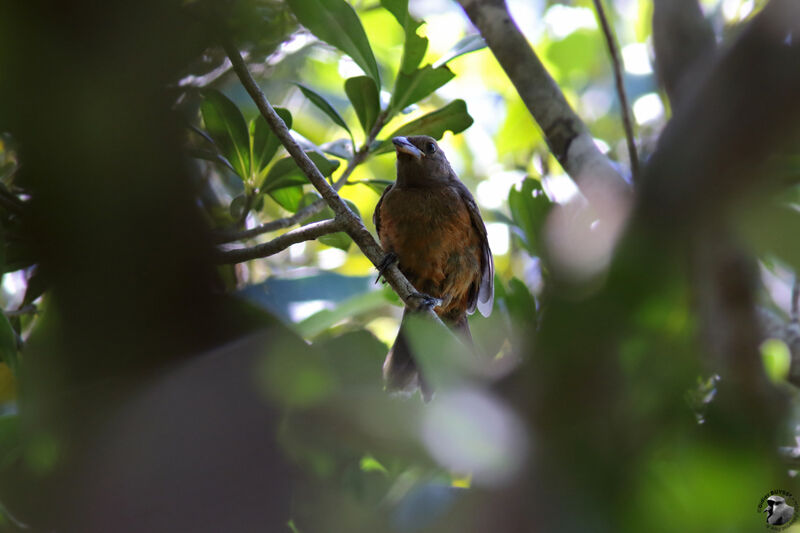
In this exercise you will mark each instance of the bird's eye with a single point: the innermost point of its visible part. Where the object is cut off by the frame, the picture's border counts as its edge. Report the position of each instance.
(430, 148)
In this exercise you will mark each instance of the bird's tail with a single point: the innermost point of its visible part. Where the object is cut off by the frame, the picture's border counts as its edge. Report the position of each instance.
(400, 371)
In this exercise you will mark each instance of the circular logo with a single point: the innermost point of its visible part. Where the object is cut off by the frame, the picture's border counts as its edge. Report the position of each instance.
(778, 508)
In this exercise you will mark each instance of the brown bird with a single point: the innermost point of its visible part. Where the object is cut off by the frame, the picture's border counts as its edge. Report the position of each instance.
(429, 223)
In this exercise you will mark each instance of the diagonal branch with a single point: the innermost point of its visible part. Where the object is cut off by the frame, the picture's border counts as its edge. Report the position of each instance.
(278, 244)
(225, 236)
(350, 223)
(613, 50)
(566, 134)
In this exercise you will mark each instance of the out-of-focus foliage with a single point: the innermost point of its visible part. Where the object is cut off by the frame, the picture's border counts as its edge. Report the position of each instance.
(346, 77)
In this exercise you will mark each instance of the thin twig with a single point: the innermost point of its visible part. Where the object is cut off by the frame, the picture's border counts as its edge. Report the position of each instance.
(222, 237)
(308, 232)
(795, 309)
(351, 223)
(613, 50)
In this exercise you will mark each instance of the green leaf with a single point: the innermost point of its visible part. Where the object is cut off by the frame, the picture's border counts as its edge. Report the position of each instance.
(453, 117)
(288, 197)
(226, 125)
(470, 43)
(339, 239)
(210, 156)
(529, 207)
(359, 304)
(237, 207)
(286, 173)
(412, 88)
(8, 344)
(415, 46)
(319, 101)
(266, 143)
(363, 94)
(777, 359)
(336, 23)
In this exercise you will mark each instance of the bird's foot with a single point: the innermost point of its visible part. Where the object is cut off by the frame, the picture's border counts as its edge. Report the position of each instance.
(426, 301)
(387, 261)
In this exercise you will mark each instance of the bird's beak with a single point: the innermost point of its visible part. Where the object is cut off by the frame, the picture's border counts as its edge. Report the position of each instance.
(402, 144)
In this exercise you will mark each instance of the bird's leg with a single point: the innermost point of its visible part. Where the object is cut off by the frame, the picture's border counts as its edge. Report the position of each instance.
(426, 301)
(388, 260)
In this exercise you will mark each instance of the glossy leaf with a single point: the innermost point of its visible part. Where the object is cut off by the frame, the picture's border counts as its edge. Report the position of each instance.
(325, 106)
(286, 173)
(452, 117)
(288, 197)
(412, 88)
(529, 207)
(237, 207)
(363, 94)
(415, 46)
(470, 43)
(336, 23)
(341, 148)
(226, 125)
(339, 239)
(266, 143)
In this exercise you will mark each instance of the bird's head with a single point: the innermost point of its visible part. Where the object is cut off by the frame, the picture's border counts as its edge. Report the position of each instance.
(420, 162)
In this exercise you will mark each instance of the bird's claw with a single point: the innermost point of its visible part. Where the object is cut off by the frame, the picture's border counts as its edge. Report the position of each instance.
(387, 261)
(426, 301)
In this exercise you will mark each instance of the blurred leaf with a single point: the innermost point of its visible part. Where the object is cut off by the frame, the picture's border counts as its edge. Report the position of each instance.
(773, 229)
(414, 46)
(521, 303)
(8, 392)
(777, 359)
(226, 125)
(529, 207)
(363, 94)
(470, 43)
(210, 156)
(370, 464)
(356, 356)
(278, 295)
(286, 173)
(411, 88)
(295, 374)
(266, 143)
(319, 101)
(577, 56)
(10, 440)
(336, 23)
(359, 304)
(8, 344)
(237, 207)
(453, 117)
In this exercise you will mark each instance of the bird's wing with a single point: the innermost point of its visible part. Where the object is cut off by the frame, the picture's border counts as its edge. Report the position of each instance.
(376, 215)
(484, 299)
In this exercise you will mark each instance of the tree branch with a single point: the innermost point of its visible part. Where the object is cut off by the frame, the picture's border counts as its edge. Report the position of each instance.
(613, 50)
(350, 223)
(567, 136)
(306, 233)
(225, 236)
